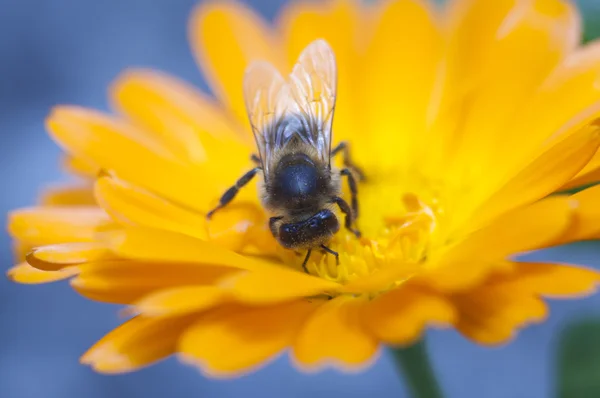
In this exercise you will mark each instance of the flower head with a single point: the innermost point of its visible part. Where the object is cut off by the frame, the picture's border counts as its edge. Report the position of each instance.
(465, 120)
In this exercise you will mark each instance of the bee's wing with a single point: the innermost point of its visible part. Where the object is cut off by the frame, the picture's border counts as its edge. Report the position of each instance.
(302, 107)
(263, 87)
(312, 86)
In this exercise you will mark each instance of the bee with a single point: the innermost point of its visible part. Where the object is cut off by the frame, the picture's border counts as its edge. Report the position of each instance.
(292, 121)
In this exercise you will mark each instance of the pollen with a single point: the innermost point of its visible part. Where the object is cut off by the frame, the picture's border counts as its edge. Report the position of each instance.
(404, 238)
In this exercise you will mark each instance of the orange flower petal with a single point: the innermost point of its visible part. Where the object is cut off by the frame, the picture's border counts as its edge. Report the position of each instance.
(570, 90)
(490, 315)
(550, 280)
(558, 161)
(21, 250)
(340, 24)
(179, 301)
(26, 274)
(243, 36)
(160, 245)
(504, 49)
(382, 278)
(240, 224)
(131, 205)
(136, 343)
(127, 281)
(529, 228)
(134, 206)
(587, 216)
(401, 66)
(401, 315)
(232, 340)
(78, 166)
(275, 285)
(58, 256)
(588, 175)
(56, 224)
(334, 336)
(117, 146)
(189, 123)
(68, 195)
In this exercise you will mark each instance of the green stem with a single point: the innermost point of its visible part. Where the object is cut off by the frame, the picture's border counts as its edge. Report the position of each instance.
(414, 364)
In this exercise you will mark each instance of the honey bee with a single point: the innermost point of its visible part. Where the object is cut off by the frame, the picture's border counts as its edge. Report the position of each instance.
(292, 121)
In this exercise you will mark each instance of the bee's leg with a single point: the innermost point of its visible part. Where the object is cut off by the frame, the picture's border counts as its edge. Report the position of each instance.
(344, 147)
(353, 191)
(231, 192)
(255, 158)
(306, 260)
(345, 208)
(328, 250)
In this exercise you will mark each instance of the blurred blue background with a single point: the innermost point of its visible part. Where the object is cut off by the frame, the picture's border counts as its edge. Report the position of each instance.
(67, 51)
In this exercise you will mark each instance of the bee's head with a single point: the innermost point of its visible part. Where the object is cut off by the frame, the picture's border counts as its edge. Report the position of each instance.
(315, 230)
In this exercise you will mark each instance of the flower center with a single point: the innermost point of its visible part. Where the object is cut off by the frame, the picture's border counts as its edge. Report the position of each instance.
(403, 240)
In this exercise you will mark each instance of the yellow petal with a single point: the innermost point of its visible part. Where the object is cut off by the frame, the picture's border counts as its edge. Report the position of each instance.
(119, 147)
(136, 343)
(470, 260)
(189, 123)
(491, 315)
(56, 224)
(68, 195)
(160, 245)
(400, 316)
(225, 38)
(234, 340)
(278, 284)
(382, 278)
(505, 49)
(401, 63)
(241, 224)
(572, 88)
(127, 281)
(586, 224)
(179, 301)
(550, 280)
(335, 336)
(339, 23)
(65, 122)
(543, 174)
(134, 206)
(26, 274)
(231, 227)
(588, 175)
(21, 250)
(79, 166)
(58, 256)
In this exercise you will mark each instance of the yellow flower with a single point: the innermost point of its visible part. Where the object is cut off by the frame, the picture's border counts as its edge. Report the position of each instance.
(465, 120)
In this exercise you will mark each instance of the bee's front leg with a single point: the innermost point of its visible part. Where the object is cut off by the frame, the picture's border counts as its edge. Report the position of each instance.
(353, 191)
(332, 252)
(308, 253)
(231, 192)
(345, 208)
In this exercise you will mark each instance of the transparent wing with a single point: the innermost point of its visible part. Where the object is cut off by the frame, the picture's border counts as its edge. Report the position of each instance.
(263, 86)
(312, 87)
(300, 108)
